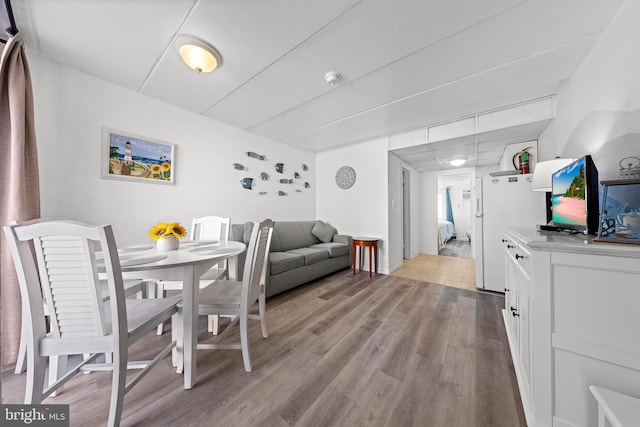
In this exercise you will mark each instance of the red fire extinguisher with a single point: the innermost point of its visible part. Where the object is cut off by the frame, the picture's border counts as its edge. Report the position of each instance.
(521, 160)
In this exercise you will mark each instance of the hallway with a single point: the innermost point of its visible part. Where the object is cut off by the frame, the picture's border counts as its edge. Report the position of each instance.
(444, 270)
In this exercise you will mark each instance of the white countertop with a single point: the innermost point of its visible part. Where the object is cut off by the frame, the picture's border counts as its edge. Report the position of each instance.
(565, 242)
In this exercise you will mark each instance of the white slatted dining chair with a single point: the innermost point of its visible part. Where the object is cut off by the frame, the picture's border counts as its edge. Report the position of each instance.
(58, 363)
(203, 228)
(56, 261)
(234, 298)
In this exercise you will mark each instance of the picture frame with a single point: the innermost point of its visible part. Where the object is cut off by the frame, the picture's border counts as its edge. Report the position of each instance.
(620, 212)
(130, 157)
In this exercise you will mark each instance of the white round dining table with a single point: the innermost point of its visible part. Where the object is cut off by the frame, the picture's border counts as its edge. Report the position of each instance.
(190, 261)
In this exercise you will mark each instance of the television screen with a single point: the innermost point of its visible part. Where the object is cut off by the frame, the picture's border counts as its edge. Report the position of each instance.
(574, 198)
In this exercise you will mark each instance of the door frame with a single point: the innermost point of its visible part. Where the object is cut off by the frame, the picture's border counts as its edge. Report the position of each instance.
(406, 214)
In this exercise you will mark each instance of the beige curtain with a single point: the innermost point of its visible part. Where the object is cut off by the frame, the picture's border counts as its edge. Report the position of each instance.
(19, 183)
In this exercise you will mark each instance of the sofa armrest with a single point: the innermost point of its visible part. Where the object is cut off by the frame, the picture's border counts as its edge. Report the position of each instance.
(343, 238)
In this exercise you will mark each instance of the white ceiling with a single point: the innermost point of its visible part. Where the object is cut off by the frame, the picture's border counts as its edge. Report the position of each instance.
(405, 64)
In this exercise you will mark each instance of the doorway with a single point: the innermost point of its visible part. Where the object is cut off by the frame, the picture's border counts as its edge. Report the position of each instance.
(455, 215)
(428, 266)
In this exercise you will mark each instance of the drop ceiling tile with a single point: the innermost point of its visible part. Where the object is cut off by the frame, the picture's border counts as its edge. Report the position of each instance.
(476, 50)
(490, 146)
(362, 40)
(114, 40)
(251, 36)
(532, 77)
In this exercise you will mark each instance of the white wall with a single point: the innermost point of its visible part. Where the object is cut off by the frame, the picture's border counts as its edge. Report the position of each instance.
(396, 196)
(416, 194)
(71, 109)
(362, 209)
(429, 213)
(598, 110)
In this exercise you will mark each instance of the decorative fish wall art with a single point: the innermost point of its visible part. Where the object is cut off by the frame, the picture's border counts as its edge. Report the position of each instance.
(256, 155)
(247, 183)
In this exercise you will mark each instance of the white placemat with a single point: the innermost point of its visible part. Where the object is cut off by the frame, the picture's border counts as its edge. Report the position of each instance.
(135, 248)
(190, 243)
(141, 260)
(210, 251)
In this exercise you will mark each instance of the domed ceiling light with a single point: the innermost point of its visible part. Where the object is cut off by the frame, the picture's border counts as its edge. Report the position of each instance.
(197, 54)
(457, 161)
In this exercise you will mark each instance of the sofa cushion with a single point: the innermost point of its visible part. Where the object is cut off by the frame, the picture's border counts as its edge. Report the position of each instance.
(334, 249)
(283, 261)
(289, 235)
(323, 231)
(311, 256)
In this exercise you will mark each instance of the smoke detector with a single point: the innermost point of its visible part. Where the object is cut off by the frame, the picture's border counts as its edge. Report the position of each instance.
(332, 78)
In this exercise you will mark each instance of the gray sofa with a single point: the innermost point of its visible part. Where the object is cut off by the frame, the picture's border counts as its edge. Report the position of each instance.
(301, 251)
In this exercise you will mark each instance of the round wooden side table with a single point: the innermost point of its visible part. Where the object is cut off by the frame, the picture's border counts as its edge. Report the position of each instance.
(364, 242)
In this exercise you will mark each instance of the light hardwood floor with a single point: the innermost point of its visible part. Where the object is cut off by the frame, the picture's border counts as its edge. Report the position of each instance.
(443, 270)
(343, 351)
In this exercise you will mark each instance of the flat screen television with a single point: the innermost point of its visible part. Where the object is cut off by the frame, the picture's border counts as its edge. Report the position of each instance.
(574, 197)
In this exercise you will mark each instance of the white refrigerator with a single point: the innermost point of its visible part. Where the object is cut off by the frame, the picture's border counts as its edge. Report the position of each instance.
(501, 201)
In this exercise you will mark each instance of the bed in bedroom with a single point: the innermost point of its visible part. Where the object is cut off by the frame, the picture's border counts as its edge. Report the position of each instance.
(446, 232)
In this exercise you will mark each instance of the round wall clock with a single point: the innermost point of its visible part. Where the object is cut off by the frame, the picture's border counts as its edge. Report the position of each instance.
(345, 177)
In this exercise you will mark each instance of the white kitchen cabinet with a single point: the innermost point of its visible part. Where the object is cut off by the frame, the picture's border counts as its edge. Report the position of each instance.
(577, 323)
(518, 283)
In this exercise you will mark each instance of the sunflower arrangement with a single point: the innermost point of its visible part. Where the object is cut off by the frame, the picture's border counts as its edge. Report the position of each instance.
(165, 229)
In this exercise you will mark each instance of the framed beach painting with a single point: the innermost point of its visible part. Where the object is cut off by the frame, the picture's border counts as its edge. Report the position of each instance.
(137, 158)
